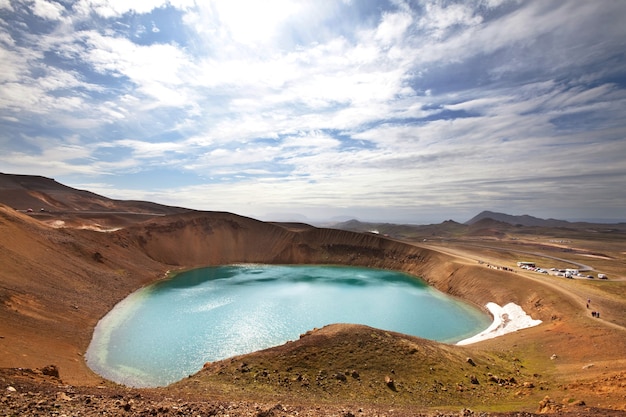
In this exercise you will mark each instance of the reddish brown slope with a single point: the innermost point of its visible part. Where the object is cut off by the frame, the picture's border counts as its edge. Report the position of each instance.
(54, 286)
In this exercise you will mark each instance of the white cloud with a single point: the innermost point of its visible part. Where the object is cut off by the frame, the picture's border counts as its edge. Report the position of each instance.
(14, 62)
(251, 22)
(393, 26)
(114, 8)
(159, 62)
(143, 149)
(47, 9)
(438, 20)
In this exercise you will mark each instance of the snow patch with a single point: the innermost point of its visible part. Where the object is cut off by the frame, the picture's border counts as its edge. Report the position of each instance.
(507, 319)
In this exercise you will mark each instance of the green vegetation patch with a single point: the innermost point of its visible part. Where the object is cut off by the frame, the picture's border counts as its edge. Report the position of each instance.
(370, 366)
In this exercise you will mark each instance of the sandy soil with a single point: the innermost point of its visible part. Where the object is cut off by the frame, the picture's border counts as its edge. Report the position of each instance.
(56, 283)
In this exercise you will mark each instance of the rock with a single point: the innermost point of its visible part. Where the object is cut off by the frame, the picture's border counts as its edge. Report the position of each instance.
(547, 405)
(390, 382)
(341, 376)
(11, 389)
(553, 357)
(61, 396)
(50, 370)
(271, 412)
(243, 368)
(474, 380)
(470, 361)
(128, 405)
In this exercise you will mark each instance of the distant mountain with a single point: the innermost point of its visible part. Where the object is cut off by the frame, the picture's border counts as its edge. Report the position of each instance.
(483, 221)
(449, 228)
(487, 223)
(530, 221)
(523, 220)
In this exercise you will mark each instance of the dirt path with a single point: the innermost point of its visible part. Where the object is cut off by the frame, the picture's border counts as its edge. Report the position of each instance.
(581, 266)
(569, 289)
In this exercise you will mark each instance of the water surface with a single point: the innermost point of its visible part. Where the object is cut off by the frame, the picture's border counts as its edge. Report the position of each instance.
(167, 331)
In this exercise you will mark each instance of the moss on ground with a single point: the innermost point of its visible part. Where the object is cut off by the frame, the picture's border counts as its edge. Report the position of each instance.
(352, 363)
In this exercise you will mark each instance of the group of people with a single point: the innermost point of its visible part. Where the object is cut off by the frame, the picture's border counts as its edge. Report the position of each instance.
(595, 314)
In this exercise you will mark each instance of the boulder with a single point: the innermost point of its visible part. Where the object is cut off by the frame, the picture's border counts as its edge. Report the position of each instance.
(50, 370)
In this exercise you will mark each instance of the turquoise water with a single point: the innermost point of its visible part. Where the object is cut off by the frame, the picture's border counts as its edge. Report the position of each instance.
(167, 331)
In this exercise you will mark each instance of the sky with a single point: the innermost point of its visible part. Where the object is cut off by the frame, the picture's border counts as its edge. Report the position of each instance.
(315, 110)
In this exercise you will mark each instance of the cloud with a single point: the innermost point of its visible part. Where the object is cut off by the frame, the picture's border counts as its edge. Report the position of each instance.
(116, 8)
(398, 107)
(50, 10)
(438, 20)
(6, 4)
(253, 22)
(392, 27)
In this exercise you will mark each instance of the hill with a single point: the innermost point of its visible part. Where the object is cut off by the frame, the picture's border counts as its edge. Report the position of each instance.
(530, 221)
(348, 363)
(523, 220)
(447, 229)
(60, 205)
